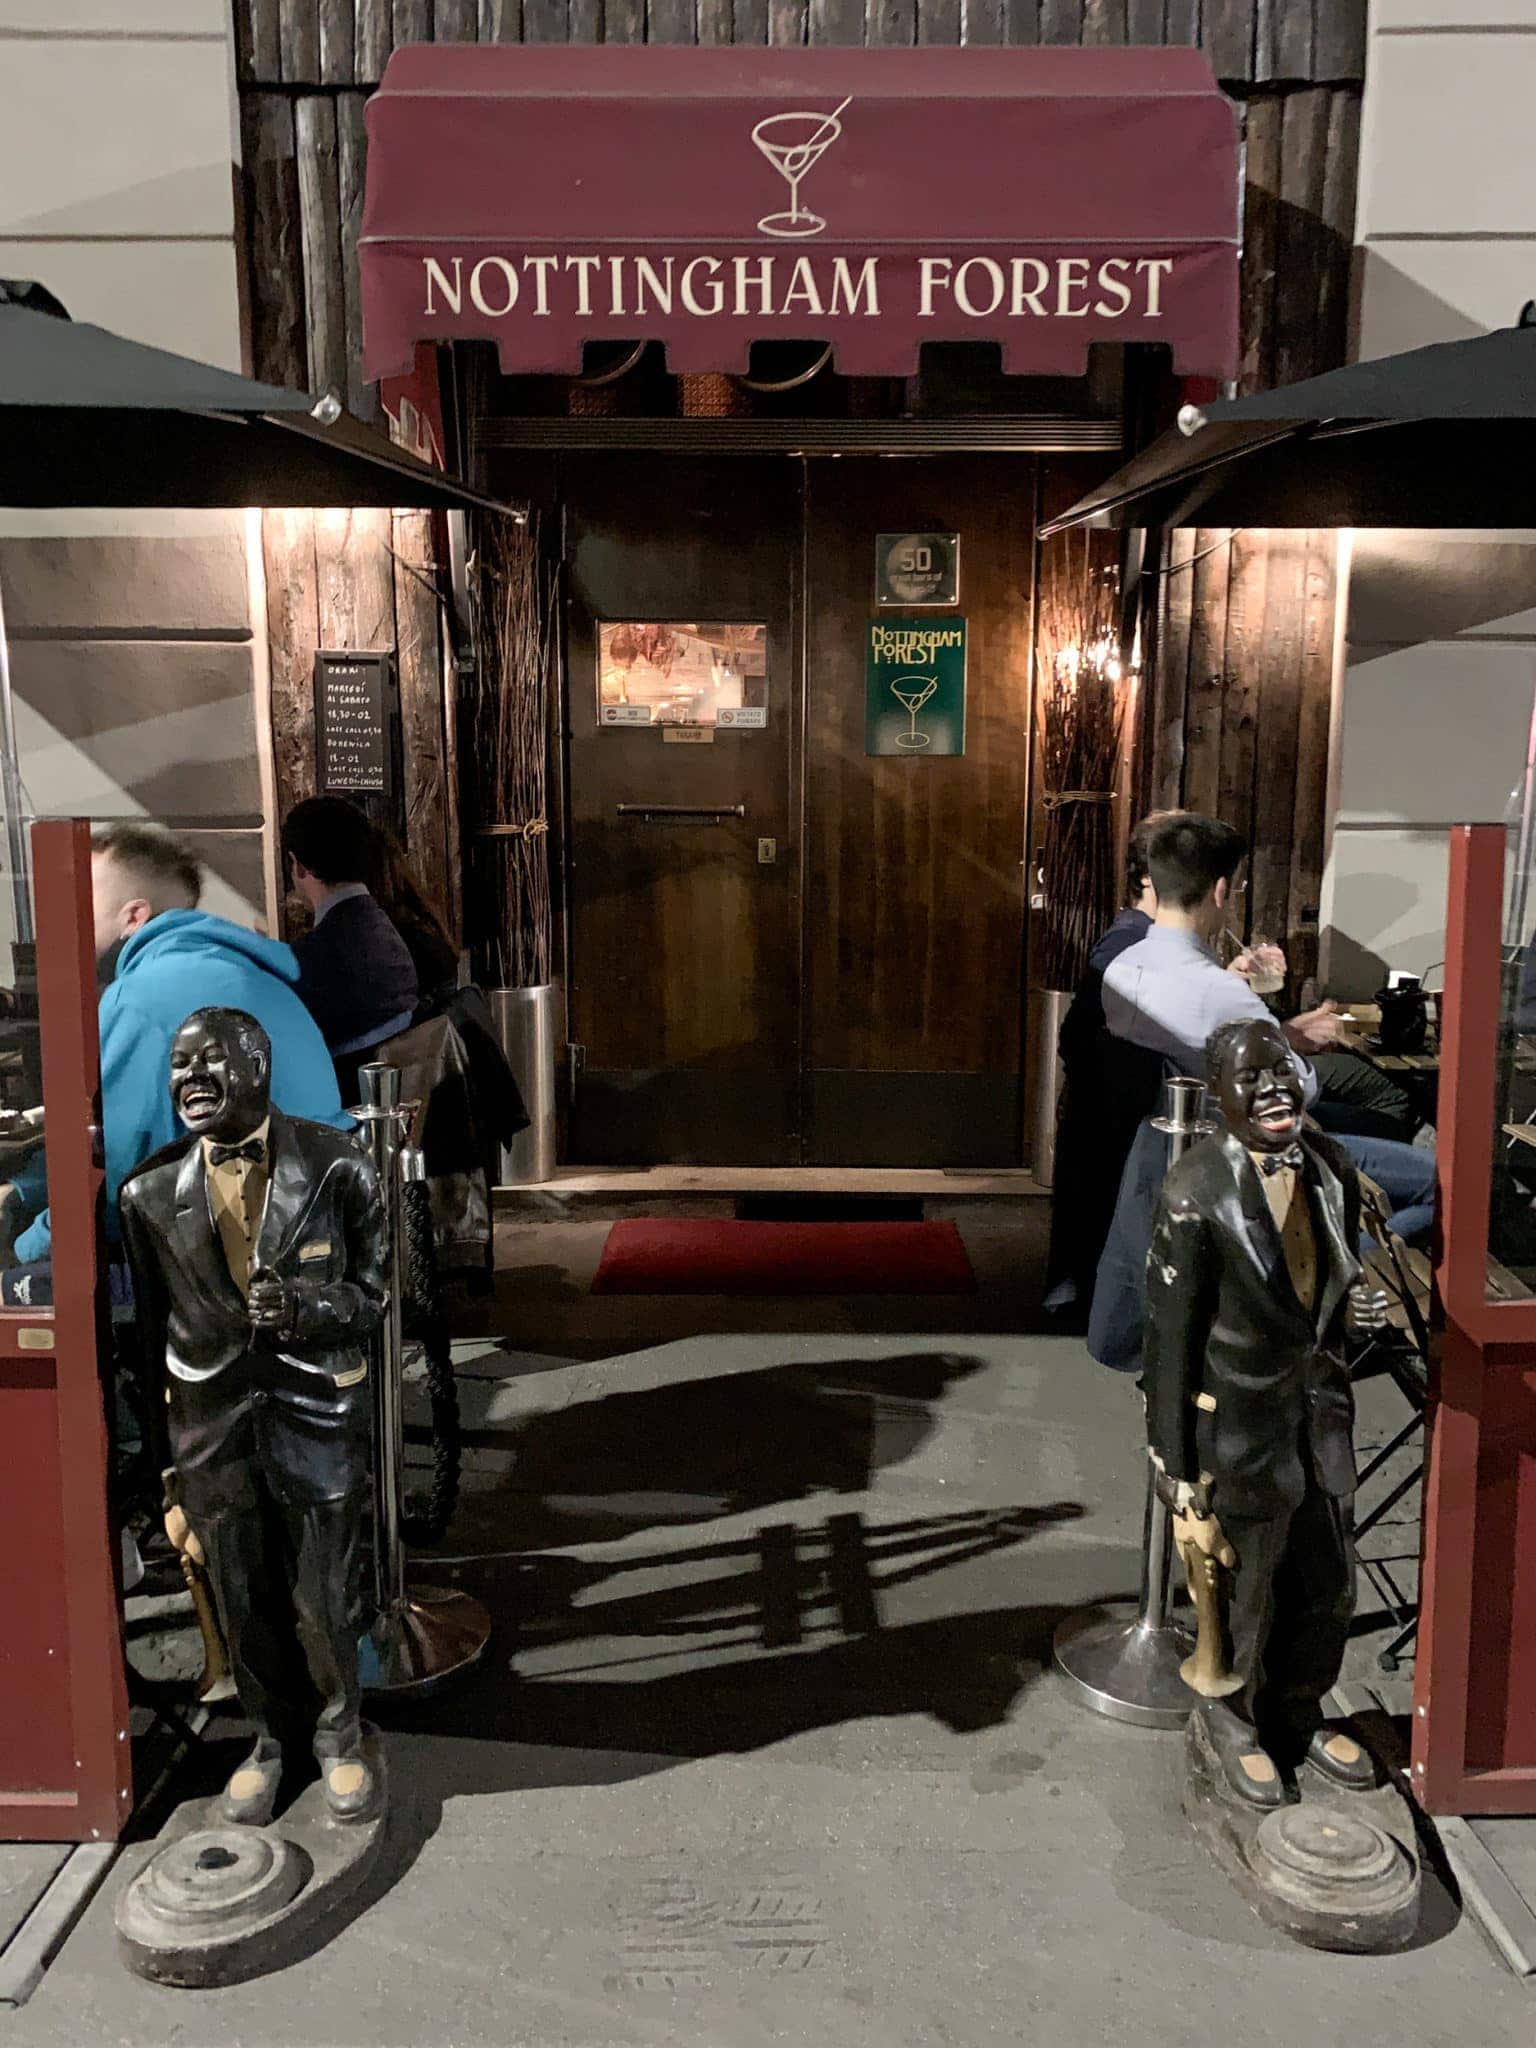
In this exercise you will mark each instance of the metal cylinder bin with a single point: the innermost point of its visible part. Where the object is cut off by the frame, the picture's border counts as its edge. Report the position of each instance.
(526, 1021)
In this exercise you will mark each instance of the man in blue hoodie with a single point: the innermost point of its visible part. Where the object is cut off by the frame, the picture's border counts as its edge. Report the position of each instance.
(161, 958)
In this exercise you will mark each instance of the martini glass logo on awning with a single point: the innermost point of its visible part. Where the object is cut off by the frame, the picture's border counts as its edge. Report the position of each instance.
(794, 144)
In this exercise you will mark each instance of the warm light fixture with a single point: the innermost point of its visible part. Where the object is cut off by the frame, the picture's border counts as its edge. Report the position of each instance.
(1102, 654)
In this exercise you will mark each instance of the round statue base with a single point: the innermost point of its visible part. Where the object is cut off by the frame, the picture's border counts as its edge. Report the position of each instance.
(434, 1634)
(1333, 1870)
(218, 1903)
(1126, 1668)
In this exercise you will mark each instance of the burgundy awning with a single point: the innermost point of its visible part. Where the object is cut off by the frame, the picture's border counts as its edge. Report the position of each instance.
(543, 197)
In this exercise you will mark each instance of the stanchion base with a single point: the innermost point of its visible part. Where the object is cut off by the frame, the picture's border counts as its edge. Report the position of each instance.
(1126, 1669)
(434, 1634)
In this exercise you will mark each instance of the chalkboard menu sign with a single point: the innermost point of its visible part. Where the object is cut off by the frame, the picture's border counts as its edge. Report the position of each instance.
(356, 719)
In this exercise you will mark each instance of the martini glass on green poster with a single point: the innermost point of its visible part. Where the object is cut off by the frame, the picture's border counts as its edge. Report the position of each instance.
(912, 693)
(794, 144)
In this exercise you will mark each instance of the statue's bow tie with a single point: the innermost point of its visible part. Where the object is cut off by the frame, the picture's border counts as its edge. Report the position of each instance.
(1275, 1162)
(254, 1151)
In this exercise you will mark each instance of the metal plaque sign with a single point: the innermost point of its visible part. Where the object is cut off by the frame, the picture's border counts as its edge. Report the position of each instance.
(917, 568)
(914, 688)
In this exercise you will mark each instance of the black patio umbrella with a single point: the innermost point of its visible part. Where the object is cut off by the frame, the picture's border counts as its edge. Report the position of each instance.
(88, 417)
(1438, 436)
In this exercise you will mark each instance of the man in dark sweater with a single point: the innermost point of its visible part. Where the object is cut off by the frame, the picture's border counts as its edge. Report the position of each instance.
(355, 972)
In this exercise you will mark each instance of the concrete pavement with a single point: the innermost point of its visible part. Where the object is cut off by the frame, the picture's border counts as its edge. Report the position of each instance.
(768, 1748)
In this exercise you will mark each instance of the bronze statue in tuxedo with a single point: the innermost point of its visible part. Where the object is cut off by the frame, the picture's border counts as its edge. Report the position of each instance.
(1251, 1279)
(258, 1251)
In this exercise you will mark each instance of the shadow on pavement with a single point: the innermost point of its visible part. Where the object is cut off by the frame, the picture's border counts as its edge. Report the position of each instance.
(699, 1450)
(777, 1634)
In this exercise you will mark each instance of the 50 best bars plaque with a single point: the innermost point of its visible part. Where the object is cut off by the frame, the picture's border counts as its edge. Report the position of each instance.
(917, 568)
(914, 688)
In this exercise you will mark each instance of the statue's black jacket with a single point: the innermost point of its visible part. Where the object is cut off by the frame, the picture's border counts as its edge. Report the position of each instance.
(220, 1396)
(1224, 1323)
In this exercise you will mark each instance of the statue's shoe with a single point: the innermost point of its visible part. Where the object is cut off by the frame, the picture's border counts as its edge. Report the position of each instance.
(1336, 1756)
(1250, 1771)
(351, 1786)
(251, 1793)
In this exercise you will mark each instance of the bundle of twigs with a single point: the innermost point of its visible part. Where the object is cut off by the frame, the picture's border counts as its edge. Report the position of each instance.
(504, 759)
(1082, 709)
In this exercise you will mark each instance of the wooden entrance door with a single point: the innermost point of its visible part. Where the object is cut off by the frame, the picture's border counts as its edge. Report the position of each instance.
(721, 1016)
(915, 882)
(684, 875)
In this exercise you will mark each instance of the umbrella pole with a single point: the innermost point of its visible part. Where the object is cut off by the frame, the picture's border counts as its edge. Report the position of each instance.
(17, 850)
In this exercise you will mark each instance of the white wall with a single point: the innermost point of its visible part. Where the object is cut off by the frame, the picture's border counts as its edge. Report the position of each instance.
(1439, 653)
(130, 632)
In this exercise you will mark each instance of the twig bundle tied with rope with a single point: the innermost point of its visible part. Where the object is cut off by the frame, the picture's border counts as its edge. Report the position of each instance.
(1082, 711)
(504, 753)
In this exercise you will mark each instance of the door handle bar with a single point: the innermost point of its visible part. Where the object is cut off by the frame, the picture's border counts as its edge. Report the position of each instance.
(681, 810)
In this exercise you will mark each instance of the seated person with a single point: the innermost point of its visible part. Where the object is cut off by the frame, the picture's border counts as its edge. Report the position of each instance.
(1168, 993)
(433, 952)
(1108, 1087)
(355, 970)
(1354, 1096)
(161, 958)
(23, 1175)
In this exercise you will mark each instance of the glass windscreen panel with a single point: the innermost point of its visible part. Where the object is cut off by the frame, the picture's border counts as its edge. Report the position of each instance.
(1512, 1211)
(665, 672)
(23, 1158)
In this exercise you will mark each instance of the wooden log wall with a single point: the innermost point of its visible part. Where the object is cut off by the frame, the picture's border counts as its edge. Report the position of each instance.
(1236, 712)
(1243, 624)
(361, 579)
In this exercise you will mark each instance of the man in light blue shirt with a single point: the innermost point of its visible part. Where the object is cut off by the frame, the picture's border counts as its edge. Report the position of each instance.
(1168, 993)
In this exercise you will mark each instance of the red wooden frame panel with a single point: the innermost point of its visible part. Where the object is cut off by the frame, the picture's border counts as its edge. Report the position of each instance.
(65, 1497)
(1474, 1725)
(1468, 1080)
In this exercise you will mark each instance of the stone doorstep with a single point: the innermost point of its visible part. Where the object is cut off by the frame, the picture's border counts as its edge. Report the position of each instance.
(598, 1191)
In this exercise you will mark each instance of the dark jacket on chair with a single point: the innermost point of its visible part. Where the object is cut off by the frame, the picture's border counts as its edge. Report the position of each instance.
(1224, 1324)
(355, 972)
(1118, 1310)
(225, 1401)
(1108, 1086)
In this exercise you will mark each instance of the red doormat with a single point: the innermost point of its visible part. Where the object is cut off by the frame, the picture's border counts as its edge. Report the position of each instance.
(730, 1257)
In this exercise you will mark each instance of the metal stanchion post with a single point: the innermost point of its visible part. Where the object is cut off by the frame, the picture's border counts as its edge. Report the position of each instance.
(422, 1634)
(1129, 1669)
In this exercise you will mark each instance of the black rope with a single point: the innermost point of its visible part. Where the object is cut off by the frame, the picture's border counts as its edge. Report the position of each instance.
(426, 1518)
